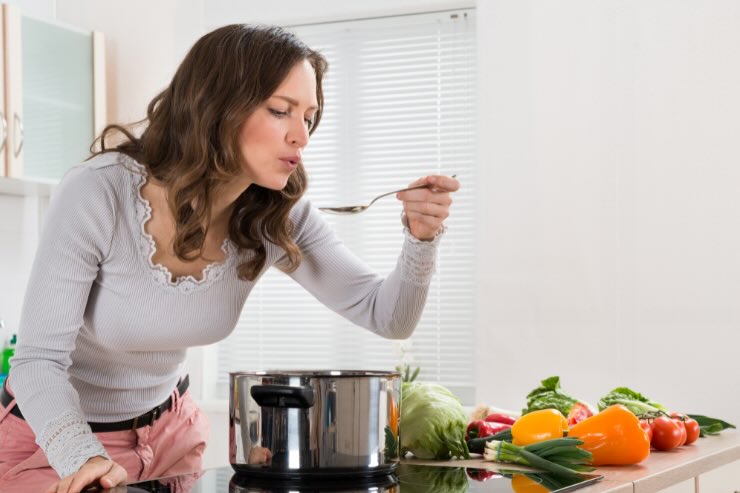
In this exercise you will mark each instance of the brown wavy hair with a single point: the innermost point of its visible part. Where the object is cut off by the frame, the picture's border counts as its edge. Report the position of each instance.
(190, 140)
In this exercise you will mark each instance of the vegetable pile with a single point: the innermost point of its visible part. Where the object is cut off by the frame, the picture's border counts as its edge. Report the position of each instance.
(556, 432)
(623, 432)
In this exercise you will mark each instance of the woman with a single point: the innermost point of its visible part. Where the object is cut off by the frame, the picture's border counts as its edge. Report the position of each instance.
(153, 246)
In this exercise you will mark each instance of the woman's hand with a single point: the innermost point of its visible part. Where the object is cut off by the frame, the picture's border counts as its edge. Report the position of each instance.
(427, 208)
(95, 470)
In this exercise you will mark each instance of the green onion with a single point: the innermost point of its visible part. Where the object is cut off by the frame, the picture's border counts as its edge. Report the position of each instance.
(559, 455)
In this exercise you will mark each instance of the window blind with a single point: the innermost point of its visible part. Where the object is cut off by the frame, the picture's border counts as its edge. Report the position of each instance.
(399, 105)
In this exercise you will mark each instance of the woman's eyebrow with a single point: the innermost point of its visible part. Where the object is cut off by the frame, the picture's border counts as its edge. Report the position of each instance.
(293, 102)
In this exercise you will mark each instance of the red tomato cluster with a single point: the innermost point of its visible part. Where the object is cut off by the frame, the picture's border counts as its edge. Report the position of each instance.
(668, 433)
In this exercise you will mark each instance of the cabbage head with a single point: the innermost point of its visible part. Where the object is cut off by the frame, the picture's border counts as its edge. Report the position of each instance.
(433, 422)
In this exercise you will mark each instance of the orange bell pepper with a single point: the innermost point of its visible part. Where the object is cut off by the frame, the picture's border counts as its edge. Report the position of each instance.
(613, 436)
(538, 426)
(394, 416)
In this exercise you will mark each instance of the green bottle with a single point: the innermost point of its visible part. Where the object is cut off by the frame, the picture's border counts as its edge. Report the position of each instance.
(7, 354)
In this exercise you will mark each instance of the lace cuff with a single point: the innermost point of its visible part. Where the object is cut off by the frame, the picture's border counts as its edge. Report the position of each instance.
(68, 443)
(419, 258)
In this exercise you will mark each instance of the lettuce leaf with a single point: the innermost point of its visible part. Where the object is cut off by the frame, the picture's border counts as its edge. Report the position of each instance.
(549, 395)
(637, 403)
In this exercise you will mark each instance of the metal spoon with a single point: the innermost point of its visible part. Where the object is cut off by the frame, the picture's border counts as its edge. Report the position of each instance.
(356, 209)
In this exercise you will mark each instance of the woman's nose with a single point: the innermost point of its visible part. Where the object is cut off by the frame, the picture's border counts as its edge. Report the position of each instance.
(298, 134)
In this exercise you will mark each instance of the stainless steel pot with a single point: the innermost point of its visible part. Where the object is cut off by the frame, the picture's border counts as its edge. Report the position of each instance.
(302, 424)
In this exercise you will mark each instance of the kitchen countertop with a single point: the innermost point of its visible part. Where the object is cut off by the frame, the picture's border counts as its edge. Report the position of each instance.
(659, 471)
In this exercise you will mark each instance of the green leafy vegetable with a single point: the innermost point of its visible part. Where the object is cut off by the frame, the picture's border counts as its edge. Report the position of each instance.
(710, 426)
(420, 479)
(391, 444)
(637, 403)
(406, 374)
(433, 422)
(549, 395)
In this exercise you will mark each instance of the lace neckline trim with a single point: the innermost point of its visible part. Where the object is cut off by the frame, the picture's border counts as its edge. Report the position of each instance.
(147, 246)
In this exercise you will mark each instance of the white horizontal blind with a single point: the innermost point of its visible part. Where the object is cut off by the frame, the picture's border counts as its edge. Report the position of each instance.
(399, 105)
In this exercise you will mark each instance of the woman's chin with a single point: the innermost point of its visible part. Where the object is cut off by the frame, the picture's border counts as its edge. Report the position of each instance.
(277, 183)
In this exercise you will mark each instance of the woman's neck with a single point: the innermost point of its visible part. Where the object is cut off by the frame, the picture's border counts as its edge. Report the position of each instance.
(224, 197)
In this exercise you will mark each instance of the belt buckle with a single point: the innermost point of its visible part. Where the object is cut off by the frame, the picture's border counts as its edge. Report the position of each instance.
(156, 414)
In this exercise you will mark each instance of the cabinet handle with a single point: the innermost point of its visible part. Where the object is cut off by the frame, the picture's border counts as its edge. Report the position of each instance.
(5, 131)
(18, 124)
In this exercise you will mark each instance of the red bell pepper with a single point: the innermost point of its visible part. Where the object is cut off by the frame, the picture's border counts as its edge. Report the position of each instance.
(480, 474)
(500, 418)
(482, 429)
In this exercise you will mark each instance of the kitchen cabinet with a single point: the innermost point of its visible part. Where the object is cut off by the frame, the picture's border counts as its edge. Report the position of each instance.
(52, 100)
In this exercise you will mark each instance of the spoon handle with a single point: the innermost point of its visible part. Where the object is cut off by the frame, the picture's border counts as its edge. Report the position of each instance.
(401, 190)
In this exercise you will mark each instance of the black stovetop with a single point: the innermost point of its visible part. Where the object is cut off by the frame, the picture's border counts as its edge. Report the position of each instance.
(408, 478)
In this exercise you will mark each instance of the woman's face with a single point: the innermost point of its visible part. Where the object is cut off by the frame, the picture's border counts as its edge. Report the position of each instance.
(272, 139)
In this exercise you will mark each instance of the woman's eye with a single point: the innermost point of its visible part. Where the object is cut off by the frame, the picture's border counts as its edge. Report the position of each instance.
(309, 122)
(278, 112)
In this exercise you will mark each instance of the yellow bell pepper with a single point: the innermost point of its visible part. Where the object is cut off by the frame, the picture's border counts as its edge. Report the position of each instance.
(538, 426)
(522, 484)
(614, 437)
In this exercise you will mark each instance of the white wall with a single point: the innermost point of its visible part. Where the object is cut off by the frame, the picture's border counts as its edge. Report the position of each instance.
(145, 42)
(609, 242)
(19, 232)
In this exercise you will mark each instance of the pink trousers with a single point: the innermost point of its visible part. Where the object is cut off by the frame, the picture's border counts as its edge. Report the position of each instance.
(172, 446)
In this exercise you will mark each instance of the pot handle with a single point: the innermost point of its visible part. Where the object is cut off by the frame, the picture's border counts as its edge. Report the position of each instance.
(282, 396)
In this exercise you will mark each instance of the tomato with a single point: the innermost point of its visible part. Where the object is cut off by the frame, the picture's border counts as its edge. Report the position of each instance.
(680, 419)
(647, 427)
(692, 430)
(682, 429)
(666, 433)
(578, 413)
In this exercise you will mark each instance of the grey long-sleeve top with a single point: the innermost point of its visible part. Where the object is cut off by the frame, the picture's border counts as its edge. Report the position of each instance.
(104, 331)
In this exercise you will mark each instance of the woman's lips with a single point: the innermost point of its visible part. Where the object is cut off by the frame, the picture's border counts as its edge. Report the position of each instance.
(290, 162)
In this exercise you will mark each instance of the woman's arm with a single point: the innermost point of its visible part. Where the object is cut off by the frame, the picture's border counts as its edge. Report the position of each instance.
(77, 235)
(389, 306)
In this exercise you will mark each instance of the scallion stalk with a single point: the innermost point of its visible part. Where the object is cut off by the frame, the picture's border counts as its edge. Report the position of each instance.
(559, 456)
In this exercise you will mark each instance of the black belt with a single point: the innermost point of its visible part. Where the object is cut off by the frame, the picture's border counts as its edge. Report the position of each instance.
(145, 419)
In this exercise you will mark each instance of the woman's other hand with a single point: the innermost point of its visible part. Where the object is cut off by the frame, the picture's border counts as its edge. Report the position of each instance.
(427, 208)
(96, 470)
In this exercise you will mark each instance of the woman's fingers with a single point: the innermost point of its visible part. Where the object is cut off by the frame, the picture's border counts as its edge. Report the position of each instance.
(426, 208)
(96, 470)
(437, 183)
(436, 211)
(443, 183)
(426, 195)
(116, 476)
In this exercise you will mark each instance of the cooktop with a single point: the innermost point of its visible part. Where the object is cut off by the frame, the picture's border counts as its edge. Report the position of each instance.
(408, 478)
